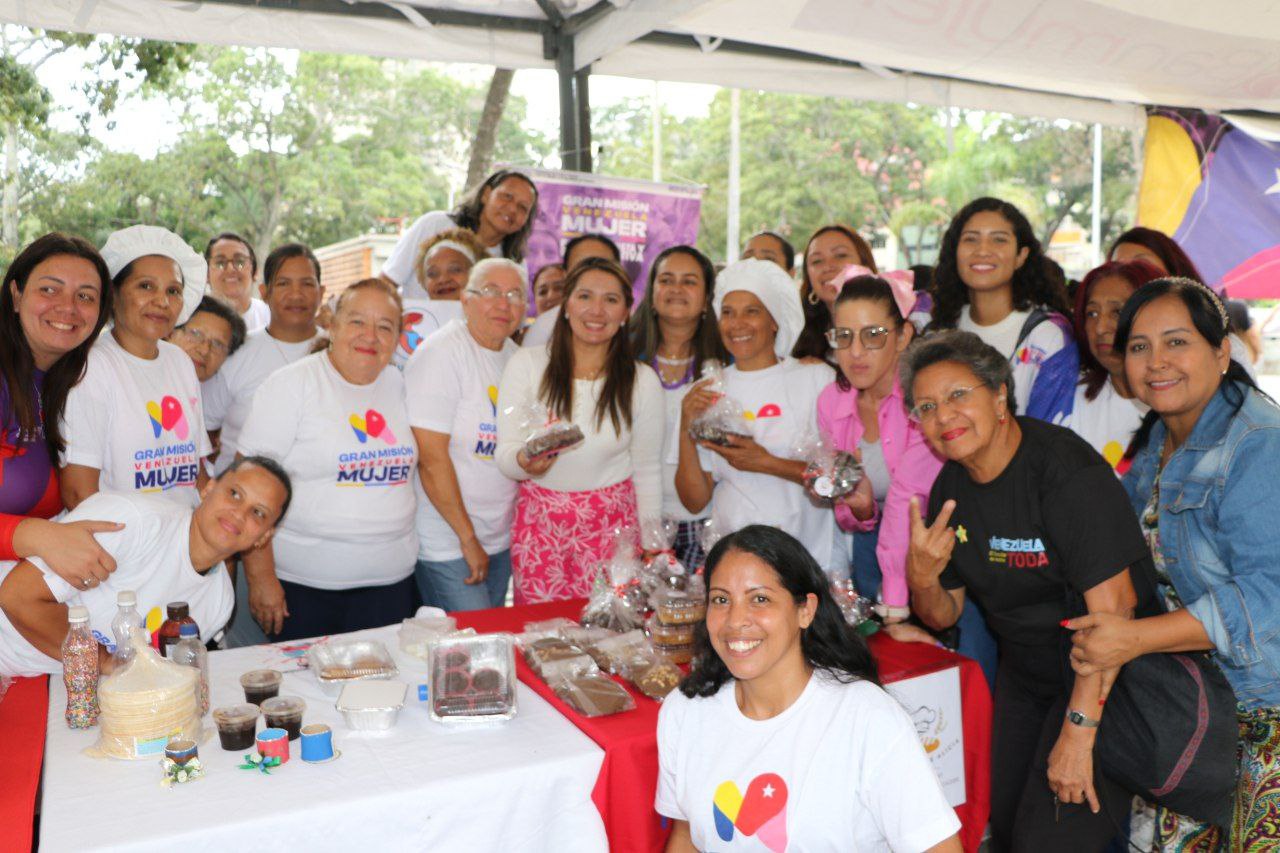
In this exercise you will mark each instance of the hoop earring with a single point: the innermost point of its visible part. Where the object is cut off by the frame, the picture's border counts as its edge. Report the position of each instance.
(812, 297)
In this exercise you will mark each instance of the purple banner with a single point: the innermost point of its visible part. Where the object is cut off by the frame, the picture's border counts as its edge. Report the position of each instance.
(642, 217)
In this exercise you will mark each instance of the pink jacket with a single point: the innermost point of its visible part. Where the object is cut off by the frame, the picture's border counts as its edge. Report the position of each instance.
(912, 465)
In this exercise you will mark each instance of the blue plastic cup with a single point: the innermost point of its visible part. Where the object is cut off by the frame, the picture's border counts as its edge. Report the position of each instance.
(317, 742)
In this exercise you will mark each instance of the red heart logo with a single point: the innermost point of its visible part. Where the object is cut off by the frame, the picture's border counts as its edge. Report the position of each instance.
(374, 423)
(170, 412)
(766, 797)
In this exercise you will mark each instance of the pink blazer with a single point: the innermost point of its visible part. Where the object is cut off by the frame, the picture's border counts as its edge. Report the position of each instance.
(912, 465)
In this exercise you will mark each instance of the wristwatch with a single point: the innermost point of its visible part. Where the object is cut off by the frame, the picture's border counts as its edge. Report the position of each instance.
(1074, 716)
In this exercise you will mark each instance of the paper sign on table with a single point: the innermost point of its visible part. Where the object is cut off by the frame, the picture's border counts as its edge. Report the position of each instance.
(933, 702)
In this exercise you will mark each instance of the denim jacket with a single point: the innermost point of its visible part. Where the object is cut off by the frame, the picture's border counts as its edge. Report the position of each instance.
(1220, 536)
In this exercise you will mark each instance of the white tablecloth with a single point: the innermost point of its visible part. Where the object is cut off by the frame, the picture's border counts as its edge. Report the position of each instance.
(520, 786)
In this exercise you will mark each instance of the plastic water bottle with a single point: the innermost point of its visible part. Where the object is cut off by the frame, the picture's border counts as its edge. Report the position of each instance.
(80, 670)
(190, 651)
(127, 617)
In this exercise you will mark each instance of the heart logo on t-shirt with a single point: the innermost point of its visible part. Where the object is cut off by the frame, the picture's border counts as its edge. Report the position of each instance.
(167, 415)
(762, 812)
(372, 424)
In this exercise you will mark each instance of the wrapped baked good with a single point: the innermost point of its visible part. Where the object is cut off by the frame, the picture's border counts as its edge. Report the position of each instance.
(614, 653)
(552, 657)
(545, 434)
(723, 419)
(417, 634)
(594, 695)
(145, 704)
(829, 473)
(657, 679)
(617, 600)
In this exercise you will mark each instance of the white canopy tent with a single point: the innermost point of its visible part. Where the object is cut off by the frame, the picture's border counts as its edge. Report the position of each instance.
(1097, 61)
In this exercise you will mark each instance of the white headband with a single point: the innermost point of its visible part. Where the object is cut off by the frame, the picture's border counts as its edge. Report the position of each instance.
(451, 244)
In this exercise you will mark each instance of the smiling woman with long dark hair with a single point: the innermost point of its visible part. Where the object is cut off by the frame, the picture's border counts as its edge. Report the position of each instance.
(569, 504)
(55, 300)
(781, 729)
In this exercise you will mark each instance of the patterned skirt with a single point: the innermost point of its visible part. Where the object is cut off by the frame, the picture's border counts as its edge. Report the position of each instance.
(1255, 827)
(559, 538)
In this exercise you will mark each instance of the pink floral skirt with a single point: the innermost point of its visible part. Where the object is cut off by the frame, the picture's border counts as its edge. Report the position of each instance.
(559, 538)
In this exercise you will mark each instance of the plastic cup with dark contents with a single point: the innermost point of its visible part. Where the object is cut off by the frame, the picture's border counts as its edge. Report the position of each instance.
(260, 685)
(284, 712)
(236, 724)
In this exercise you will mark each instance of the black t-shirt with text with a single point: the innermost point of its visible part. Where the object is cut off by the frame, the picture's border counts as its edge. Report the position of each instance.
(1055, 519)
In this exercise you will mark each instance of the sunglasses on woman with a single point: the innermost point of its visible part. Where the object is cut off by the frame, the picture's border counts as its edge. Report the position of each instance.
(872, 337)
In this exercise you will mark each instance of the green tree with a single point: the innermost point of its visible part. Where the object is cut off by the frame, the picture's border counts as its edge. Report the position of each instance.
(113, 66)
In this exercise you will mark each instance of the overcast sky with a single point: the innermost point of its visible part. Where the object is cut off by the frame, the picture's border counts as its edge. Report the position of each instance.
(145, 126)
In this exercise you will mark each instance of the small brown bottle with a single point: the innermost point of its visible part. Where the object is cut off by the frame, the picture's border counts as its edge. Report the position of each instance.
(179, 615)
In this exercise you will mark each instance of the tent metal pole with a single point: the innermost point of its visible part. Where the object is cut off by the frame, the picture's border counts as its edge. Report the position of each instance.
(569, 139)
(582, 88)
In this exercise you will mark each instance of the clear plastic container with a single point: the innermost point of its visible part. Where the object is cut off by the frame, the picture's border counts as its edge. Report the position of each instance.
(673, 607)
(236, 725)
(260, 685)
(680, 653)
(285, 712)
(613, 652)
(473, 679)
(340, 662)
(670, 634)
(371, 706)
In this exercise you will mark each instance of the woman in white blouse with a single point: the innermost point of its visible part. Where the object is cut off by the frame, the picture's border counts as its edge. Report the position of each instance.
(343, 558)
(568, 506)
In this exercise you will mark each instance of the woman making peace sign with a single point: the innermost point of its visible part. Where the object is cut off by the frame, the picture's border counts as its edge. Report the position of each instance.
(1022, 514)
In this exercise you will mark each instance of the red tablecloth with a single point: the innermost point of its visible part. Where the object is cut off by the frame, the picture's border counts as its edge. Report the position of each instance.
(23, 713)
(625, 789)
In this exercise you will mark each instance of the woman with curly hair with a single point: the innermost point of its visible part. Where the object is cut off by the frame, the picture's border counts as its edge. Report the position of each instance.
(991, 281)
(828, 252)
(781, 730)
(500, 211)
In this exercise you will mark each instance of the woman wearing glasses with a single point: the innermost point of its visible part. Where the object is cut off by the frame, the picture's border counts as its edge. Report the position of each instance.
(465, 504)
(1023, 516)
(862, 412)
(212, 334)
(756, 480)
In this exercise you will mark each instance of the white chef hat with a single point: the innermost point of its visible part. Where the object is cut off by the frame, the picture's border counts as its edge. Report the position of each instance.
(125, 246)
(773, 287)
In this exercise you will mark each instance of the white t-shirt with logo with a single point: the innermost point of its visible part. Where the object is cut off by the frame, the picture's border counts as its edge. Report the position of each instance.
(257, 316)
(1040, 344)
(139, 421)
(1107, 422)
(780, 404)
(842, 769)
(452, 387)
(228, 394)
(352, 458)
(421, 319)
(153, 558)
(401, 264)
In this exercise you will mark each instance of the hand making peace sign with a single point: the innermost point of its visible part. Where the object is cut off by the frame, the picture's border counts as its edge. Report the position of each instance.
(930, 548)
